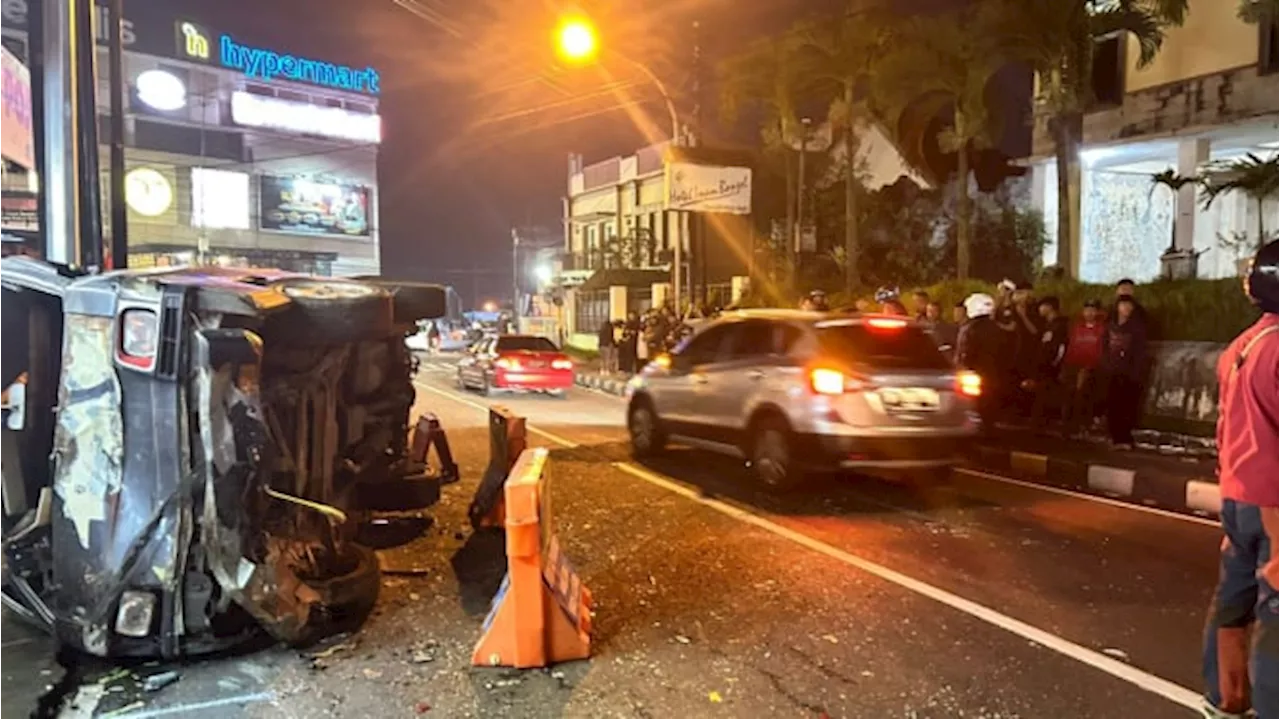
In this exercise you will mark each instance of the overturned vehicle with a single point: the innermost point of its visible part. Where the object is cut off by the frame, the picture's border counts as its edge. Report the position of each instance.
(187, 452)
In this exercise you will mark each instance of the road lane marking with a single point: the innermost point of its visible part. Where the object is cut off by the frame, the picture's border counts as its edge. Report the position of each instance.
(1092, 498)
(200, 706)
(1125, 672)
(1143, 680)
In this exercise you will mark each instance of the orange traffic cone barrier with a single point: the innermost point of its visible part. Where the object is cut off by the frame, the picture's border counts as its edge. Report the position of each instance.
(542, 612)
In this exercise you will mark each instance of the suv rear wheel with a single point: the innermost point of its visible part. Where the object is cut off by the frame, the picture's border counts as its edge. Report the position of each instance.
(642, 425)
(772, 460)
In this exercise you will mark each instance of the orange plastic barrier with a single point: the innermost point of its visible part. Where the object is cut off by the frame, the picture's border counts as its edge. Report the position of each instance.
(542, 612)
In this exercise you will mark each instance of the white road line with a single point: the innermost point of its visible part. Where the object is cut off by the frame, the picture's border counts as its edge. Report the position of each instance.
(1143, 680)
(199, 706)
(1092, 498)
(1149, 682)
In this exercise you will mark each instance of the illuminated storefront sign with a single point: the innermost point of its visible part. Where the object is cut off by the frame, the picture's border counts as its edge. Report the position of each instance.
(275, 114)
(320, 207)
(267, 65)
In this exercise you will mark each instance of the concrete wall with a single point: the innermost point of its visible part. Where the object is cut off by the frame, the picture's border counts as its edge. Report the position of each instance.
(1211, 40)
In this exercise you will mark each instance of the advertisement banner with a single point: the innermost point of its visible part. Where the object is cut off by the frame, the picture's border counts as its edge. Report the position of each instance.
(19, 211)
(294, 204)
(708, 188)
(17, 144)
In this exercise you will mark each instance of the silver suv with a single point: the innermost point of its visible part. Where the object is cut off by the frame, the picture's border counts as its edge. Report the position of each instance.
(793, 391)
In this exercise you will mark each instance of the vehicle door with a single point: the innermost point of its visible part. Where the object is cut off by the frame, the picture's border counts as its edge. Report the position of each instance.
(734, 382)
(683, 386)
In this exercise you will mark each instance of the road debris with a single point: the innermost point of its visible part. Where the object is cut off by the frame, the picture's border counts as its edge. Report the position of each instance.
(422, 656)
(1117, 653)
(156, 682)
(372, 674)
(683, 639)
(421, 708)
(715, 697)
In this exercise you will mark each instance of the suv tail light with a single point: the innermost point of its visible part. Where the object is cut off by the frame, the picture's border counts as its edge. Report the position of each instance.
(139, 332)
(969, 384)
(561, 364)
(833, 382)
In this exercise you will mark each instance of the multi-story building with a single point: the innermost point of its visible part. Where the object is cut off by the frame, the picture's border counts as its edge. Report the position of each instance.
(616, 217)
(235, 153)
(1210, 95)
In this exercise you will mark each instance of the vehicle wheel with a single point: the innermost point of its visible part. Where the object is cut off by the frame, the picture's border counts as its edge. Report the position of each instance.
(647, 438)
(485, 388)
(558, 393)
(400, 495)
(462, 383)
(346, 599)
(772, 460)
(335, 311)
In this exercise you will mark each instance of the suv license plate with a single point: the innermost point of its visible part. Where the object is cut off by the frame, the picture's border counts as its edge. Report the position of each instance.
(909, 399)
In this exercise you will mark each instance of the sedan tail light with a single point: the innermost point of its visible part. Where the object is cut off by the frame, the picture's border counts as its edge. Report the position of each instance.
(561, 364)
(969, 384)
(507, 363)
(139, 332)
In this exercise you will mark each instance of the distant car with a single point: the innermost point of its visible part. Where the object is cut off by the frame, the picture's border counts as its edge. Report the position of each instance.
(793, 391)
(449, 339)
(516, 363)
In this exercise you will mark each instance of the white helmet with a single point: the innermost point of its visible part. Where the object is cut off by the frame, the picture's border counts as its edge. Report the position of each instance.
(979, 305)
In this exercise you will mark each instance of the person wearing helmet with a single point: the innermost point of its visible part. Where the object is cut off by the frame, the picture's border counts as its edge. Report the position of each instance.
(1245, 598)
(889, 303)
(979, 347)
(818, 298)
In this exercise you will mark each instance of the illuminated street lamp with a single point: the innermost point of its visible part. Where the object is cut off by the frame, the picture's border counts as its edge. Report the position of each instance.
(576, 43)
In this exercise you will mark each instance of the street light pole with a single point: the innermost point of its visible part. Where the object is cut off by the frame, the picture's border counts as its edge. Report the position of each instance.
(677, 259)
(515, 275)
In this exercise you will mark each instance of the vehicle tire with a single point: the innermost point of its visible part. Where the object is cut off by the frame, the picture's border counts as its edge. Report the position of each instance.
(334, 311)
(647, 437)
(462, 383)
(485, 387)
(347, 599)
(772, 456)
(399, 495)
(558, 393)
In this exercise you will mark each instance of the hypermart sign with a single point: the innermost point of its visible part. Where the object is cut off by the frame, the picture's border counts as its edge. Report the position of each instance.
(195, 43)
(708, 188)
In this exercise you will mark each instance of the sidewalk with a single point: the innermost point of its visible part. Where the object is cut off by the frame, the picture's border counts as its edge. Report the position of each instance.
(1166, 471)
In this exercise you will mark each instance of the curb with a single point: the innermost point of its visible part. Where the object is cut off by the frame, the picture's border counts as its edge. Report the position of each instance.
(602, 383)
(1198, 496)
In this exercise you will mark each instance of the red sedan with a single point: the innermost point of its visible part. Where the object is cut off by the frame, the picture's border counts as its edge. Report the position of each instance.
(516, 362)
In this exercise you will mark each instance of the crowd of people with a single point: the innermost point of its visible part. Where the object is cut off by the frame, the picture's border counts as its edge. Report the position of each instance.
(626, 345)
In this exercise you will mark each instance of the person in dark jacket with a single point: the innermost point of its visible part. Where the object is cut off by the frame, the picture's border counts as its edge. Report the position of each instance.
(628, 349)
(980, 348)
(1124, 361)
(608, 349)
(1046, 383)
(1240, 636)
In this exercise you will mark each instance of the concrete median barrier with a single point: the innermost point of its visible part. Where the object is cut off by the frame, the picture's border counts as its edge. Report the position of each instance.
(508, 437)
(542, 612)
(1162, 482)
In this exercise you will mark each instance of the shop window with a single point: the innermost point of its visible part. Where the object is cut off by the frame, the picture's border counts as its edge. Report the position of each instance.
(361, 107)
(219, 199)
(262, 90)
(184, 140)
(294, 96)
(1268, 56)
(1108, 70)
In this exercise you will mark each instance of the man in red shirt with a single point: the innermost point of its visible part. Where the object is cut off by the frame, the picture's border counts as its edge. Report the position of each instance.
(1248, 471)
(1080, 367)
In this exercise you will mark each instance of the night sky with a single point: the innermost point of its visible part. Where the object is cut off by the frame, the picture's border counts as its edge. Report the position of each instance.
(478, 120)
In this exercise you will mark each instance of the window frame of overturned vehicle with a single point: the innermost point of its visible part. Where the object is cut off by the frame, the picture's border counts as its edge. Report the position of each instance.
(211, 438)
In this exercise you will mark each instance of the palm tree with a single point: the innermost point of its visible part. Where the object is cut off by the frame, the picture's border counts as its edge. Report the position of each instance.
(1057, 39)
(1252, 176)
(1174, 182)
(843, 54)
(948, 60)
(767, 76)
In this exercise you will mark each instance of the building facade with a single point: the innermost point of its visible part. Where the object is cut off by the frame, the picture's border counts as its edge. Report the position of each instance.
(1210, 95)
(616, 217)
(237, 154)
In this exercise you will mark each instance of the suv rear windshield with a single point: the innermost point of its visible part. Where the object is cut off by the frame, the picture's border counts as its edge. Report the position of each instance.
(897, 347)
(524, 343)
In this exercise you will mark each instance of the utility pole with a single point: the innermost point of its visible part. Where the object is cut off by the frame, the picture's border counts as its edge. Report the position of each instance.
(698, 221)
(119, 256)
(797, 242)
(515, 274)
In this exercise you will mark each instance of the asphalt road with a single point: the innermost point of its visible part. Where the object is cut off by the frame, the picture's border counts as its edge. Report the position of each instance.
(863, 597)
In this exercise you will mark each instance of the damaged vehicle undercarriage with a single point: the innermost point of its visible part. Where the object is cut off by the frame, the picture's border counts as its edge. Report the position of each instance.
(187, 452)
